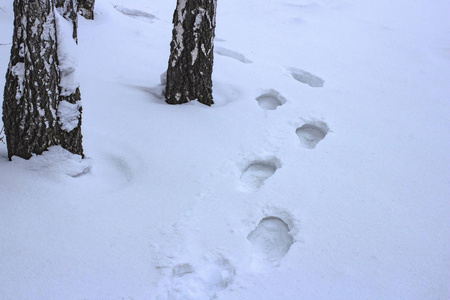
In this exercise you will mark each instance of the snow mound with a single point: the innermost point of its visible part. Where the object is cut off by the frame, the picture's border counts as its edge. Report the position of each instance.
(55, 162)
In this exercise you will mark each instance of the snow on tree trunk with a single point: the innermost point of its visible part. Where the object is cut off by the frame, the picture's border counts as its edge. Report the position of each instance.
(86, 8)
(191, 52)
(33, 116)
(31, 90)
(69, 104)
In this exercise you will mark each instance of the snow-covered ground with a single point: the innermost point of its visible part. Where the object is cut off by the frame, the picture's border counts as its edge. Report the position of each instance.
(322, 171)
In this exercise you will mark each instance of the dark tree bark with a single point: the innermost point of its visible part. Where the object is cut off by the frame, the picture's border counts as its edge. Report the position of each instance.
(86, 8)
(31, 90)
(191, 52)
(32, 94)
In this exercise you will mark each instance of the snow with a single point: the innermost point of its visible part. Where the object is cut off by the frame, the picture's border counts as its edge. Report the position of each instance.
(69, 115)
(67, 55)
(18, 70)
(341, 192)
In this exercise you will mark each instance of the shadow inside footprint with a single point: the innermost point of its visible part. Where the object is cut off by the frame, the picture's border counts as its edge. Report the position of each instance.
(232, 54)
(270, 100)
(135, 13)
(306, 78)
(271, 241)
(257, 172)
(311, 134)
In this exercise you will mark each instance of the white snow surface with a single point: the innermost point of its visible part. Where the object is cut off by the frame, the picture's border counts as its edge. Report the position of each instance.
(236, 201)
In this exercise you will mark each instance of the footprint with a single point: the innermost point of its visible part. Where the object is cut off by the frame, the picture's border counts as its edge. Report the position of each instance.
(182, 269)
(201, 281)
(306, 78)
(122, 167)
(258, 171)
(310, 134)
(232, 54)
(271, 241)
(270, 100)
(136, 14)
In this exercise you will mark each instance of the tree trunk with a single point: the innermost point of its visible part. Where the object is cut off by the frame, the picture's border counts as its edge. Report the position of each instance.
(32, 111)
(191, 52)
(86, 8)
(31, 90)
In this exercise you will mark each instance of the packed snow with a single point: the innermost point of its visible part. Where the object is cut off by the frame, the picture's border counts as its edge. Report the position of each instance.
(69, 115)
(321, 171)
(67, 55)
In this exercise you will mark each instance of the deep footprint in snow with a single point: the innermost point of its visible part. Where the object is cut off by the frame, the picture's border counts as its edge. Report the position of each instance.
(271, 100)
(310, 134)
(306, 77)
(203, 281)
(232, 54)
(136, 14)
(259, 171)
(271, 241)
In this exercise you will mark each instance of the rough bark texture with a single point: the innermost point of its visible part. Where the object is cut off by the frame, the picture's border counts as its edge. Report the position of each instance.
(191, 52)
(86, 8)
(32, 89)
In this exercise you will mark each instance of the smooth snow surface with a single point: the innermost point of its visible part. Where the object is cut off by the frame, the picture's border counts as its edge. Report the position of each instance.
(321, 171)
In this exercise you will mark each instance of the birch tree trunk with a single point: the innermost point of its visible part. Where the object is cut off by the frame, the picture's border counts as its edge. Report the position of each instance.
(191, 52)
(33, 116)
(31, 90)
